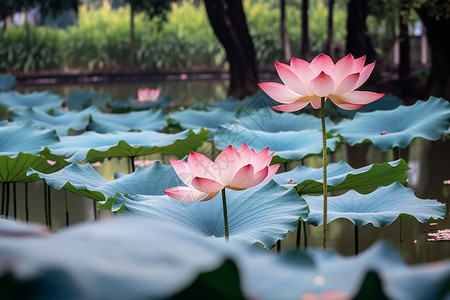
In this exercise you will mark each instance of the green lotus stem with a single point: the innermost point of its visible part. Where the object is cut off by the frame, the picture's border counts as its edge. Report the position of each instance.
(285, 165)
(133, 168)
(66, 200)
(49, 206)
(15, 200)
(325, 185)
(356, 240)
(95, 209)
(6, 214)
(278, 246)
(3, 198)
(299, 234)
(27, 216)
(225, 215)
(396, 153)
(305, 235)
(401, 229)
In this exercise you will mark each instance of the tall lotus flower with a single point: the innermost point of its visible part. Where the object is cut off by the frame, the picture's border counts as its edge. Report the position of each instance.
(147, 95)
(306, 83)
(316, 82)
(234, 169)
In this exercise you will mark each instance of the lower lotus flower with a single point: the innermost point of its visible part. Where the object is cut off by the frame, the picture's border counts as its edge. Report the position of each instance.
(234, 169)
(147, 95)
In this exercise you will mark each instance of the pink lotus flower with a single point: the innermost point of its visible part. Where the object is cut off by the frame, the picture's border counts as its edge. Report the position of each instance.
(307, 82)
(234, 169)
(147, 95)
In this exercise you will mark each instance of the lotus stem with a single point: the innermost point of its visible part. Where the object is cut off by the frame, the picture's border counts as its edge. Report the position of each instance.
(46, 204)
(325, 185)
(95, 209)
(299, 234)
(15, 200)
(305, 235)
(49, 206)
(396, 155)
(3, 198)
(279, 246)
(356, 240)
(66, 200)
(225, 215)
(6, 214)
(27, 216)
(133, 168)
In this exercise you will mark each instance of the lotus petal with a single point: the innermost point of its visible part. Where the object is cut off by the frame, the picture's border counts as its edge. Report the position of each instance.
(92, 146)
(133, 121)
(342, 176)
(287, 145)
(398, 127)
(380, 208)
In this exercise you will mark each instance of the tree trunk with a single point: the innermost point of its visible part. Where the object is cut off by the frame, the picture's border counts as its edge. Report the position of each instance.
(286, 46)
(438, 35)
(305, 51)
(330, 29)
(358, 39)
(133, 62)
(404, 67)
(228, 21)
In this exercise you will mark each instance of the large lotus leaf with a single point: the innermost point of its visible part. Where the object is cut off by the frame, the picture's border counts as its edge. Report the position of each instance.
(82, 99)
(92, 146)
(132, 121)
(196, 119)
(268, 120)
(62, 123)
(398, 127)
(7, 82)
(388, 102)
(263, 214)
(287, 145)
(85, 181)
(38, 100)
(130, 105)
(259, 100)
(25, 138)
(341, 176)
(379, 208)
(14, 169)
(145, 258)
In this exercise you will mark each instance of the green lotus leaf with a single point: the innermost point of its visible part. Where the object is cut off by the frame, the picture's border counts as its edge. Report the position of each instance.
(131, 105)
(62, 123)
(82, 99)
(287, 145)
(7, 82)
(14, 169)
(263, 214)
(133, 121)
(342, 176)
(380, 208)
(93, 146)
(38, 100)
(398, 127)
(257, 101)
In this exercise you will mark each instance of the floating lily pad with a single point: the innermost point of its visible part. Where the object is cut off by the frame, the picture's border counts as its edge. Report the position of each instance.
(263, 214)
(25, 138)
(259, 100)
(82, 99)
(130, 105)
(132, 121)
(7, 82)
(113, 261)
(62, 123)
(14, 169)
(85, 181)
(93, 146)
(380, 208)
(38, 100)
(287, 145)
(342, 176)
(196, 119)
(398, 127)
(268, 120)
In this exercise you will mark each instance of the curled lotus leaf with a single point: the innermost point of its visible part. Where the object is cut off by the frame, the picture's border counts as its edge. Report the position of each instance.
(38, 100)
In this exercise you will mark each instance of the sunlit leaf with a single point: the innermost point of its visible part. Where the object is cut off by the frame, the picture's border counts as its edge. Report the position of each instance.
(398, 127)
(341, 176)
(380, 208)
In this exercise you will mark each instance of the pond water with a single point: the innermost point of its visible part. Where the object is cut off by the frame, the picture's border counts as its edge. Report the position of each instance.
(429, 162)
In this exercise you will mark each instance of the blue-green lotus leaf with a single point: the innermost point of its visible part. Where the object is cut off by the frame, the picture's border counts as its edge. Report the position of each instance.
(147, 258)
(7, 82)
(263, 214)
(268, 120)
(25, 138)
(342, 176)
(14, 169)
(259, 100)
(388, 102)
(85, 181)
(196, 119)
(92, 146)
(380, 208)
(82, 99)
(398, 127)
(287, 145)
(38, 100)
(133, 121)
(62, 123)
(130, 105)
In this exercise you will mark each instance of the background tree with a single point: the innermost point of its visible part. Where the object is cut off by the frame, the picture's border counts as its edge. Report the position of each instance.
(285, 45)
(228, 21)
(329, 45)
(305, 47)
